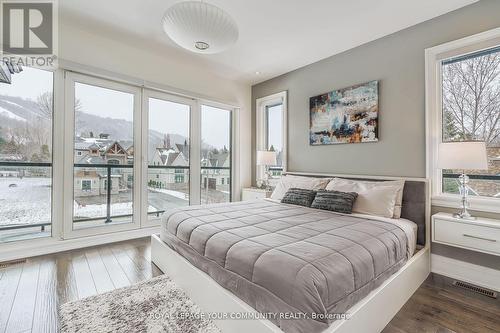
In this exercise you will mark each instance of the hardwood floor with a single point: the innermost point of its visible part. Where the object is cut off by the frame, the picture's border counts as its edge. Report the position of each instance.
(30, 293)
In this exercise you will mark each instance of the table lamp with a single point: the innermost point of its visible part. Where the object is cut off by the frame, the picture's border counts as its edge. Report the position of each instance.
(266, 158)
(466, 155)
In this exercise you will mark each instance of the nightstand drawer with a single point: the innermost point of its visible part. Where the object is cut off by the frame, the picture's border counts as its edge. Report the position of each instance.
(467, 235)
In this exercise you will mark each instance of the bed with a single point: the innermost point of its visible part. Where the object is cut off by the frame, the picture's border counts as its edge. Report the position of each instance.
(286, 268)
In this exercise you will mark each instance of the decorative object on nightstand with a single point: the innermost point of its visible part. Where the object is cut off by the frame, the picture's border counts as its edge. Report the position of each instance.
(253, 193)
(266, 158)
(466, 155)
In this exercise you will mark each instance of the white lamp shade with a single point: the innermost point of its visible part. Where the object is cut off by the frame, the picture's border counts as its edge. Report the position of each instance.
(200, 27)
(265, 157)
(463, 155)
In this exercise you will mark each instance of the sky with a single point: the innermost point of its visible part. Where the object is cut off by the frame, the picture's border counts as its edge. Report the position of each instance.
(275, 127)
(31, 82)
(165, 116)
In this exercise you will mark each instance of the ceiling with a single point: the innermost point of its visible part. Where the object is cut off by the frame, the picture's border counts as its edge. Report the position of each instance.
(275, 36)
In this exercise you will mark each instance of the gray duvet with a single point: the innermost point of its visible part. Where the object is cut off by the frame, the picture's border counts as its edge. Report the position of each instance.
(298, 265)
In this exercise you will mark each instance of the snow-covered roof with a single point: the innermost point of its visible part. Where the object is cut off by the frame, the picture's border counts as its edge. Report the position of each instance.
(87, 159)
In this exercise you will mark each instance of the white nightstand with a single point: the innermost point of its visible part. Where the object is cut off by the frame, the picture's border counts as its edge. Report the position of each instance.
(482, 235)
(252, 193)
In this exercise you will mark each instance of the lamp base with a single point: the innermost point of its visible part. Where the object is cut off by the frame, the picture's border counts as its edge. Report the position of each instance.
(464, 216)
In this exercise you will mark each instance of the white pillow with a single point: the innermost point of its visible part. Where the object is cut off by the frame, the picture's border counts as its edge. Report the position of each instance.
(383, 198)
(308, 183)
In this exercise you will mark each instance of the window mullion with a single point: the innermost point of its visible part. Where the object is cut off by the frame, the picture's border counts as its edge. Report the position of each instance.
(195, 154)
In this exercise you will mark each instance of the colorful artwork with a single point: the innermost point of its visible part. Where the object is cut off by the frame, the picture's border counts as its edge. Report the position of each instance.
(346, 115)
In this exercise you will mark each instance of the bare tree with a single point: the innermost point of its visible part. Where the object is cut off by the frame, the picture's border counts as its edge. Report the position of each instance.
(471, 99)
(45, 104)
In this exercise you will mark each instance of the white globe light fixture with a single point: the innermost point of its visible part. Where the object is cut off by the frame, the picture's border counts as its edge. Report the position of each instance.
(200, 27)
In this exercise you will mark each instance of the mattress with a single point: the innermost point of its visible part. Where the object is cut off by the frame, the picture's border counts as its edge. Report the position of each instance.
(302, 268)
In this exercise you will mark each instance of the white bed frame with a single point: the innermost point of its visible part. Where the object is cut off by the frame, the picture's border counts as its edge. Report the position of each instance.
(371, 314)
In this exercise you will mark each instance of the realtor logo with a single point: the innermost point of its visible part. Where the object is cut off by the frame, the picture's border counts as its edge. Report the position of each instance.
(27, 28)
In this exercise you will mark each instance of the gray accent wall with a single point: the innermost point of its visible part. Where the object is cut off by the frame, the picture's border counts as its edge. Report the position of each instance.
(397, 61)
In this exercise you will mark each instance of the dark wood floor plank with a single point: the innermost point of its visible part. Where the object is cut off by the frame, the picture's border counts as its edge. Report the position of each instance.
(45, 315)
(83, 277)
(99, 272)
(21, 314)
(116, 272)
(8, 289)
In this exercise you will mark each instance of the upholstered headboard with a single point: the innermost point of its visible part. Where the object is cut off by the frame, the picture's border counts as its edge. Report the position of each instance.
(415, 199)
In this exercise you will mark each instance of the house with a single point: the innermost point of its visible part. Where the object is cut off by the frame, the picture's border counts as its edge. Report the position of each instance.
(104, 151)
(169, 167)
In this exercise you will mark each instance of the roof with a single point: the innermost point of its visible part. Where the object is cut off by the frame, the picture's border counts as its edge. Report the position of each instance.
(87, 159)
(218, 160)
(83, 145)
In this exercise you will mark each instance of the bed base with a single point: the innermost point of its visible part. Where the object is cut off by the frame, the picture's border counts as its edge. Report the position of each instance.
(371, 314)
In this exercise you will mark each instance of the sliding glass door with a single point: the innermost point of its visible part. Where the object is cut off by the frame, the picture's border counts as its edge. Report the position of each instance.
(216, 138)
(135, 153)
(104, 125)
(166, 143)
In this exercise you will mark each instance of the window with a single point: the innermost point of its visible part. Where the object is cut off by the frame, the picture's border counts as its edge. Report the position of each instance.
(274, 135)
(87, 185)
(168, 153)
(216, 134)
(26, 120)
(104, 127)
(271, 132)
(107, 188)
(464, 104)
(471, 111)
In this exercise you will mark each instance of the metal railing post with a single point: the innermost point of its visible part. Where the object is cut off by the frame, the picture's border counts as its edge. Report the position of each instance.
(108, 198)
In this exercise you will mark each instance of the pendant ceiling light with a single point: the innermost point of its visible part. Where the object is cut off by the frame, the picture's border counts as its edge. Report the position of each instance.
(200, 27)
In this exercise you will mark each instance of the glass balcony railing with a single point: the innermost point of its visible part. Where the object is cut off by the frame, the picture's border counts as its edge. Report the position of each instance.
(215, 185)
(25, 200)
(168, 187)
(479, 185)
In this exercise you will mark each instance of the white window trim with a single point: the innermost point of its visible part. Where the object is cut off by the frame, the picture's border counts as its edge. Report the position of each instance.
(260, 144)
(71, 79)
(433, 58)
(194, 159)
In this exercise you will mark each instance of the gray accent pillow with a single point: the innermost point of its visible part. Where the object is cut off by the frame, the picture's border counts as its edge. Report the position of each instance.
(336, 201)
(299, 196)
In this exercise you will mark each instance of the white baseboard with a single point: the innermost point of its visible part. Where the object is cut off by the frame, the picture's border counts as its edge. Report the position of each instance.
(38, 247)
(479, 275)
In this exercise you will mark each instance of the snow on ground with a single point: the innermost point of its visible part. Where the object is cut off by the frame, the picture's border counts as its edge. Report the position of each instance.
(180, 195)
(12, 103)
(27, 203)
(8, 114)
(121, 208)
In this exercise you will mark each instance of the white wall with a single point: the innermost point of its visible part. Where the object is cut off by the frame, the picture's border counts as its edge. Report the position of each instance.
(114, 53)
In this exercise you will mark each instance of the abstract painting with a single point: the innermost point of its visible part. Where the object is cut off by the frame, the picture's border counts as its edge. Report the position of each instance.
(347, 115)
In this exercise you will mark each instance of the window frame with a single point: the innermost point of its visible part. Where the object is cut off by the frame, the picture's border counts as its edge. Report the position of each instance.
(433, 100)
(234, 154)
(63, 158)
(71, 78)
(262, 104)
(55, 165)
(151, 220)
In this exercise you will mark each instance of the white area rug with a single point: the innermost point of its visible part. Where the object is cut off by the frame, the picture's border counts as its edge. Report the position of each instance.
(155, 305)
